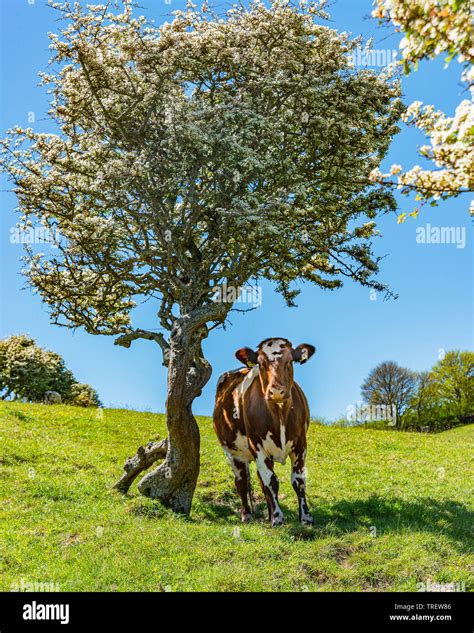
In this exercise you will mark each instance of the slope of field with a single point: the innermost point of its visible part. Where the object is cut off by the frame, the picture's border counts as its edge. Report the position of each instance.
(391, 510)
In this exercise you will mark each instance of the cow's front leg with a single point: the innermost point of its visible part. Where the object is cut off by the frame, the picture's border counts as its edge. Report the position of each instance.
(298, 481)
(269, 483)
(242, 483)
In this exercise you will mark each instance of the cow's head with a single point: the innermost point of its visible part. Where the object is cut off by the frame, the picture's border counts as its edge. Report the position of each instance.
(275, 358)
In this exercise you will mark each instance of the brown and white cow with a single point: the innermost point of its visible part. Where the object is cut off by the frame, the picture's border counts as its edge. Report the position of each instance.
(261, 414)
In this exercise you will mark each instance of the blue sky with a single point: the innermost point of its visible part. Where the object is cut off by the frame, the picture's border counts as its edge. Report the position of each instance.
(351, 331)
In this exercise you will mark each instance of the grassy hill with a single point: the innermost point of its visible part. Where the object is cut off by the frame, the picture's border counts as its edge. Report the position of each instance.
(391, 510)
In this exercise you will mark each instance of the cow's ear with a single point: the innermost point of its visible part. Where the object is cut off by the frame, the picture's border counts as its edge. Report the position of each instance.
(302, 353)
(246, 356)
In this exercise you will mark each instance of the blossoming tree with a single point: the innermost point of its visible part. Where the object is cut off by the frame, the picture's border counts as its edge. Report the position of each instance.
(432, 28)
(209, 151)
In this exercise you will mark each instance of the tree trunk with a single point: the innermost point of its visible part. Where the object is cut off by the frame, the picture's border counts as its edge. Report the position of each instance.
(174, 481)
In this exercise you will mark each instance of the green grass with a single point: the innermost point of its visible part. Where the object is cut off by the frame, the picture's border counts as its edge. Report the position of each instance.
(391, 510)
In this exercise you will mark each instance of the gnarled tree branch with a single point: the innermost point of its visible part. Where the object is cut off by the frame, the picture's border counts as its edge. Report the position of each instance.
(145, 457)
(125, 340)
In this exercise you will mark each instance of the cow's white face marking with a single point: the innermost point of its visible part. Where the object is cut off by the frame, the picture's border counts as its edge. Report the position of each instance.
(273, 349)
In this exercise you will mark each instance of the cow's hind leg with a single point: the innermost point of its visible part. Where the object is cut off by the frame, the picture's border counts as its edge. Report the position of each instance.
(242, 483)
(298, 481)
(270, 485)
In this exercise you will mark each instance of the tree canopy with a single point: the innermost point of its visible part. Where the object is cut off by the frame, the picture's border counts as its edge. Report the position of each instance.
(453, 383)
(200, 152)
(432, 28)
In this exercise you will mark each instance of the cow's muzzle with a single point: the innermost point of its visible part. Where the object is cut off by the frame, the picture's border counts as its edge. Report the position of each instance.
(277, 394)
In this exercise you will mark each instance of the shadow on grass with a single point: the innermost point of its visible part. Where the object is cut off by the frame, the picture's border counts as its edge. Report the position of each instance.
(339, 518)
(393, 514)
(386, 514)
(155, 510)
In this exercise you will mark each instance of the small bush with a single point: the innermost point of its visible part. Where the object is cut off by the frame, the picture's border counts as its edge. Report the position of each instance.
(82, 395)
(28, 372)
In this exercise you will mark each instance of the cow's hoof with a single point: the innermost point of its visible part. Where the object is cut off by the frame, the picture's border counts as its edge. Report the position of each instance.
(246, 518)
(277, 521)
(307, 520)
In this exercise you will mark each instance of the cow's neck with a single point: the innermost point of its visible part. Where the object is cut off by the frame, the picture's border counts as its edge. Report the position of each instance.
(281, 412)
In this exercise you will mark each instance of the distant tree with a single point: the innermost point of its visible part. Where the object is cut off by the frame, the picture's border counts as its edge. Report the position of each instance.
(437, 399)
(82, 395)
(204, 153)
(391, 386)
(424, 407)
(27, 371)
(453, 382)
(424, 395)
